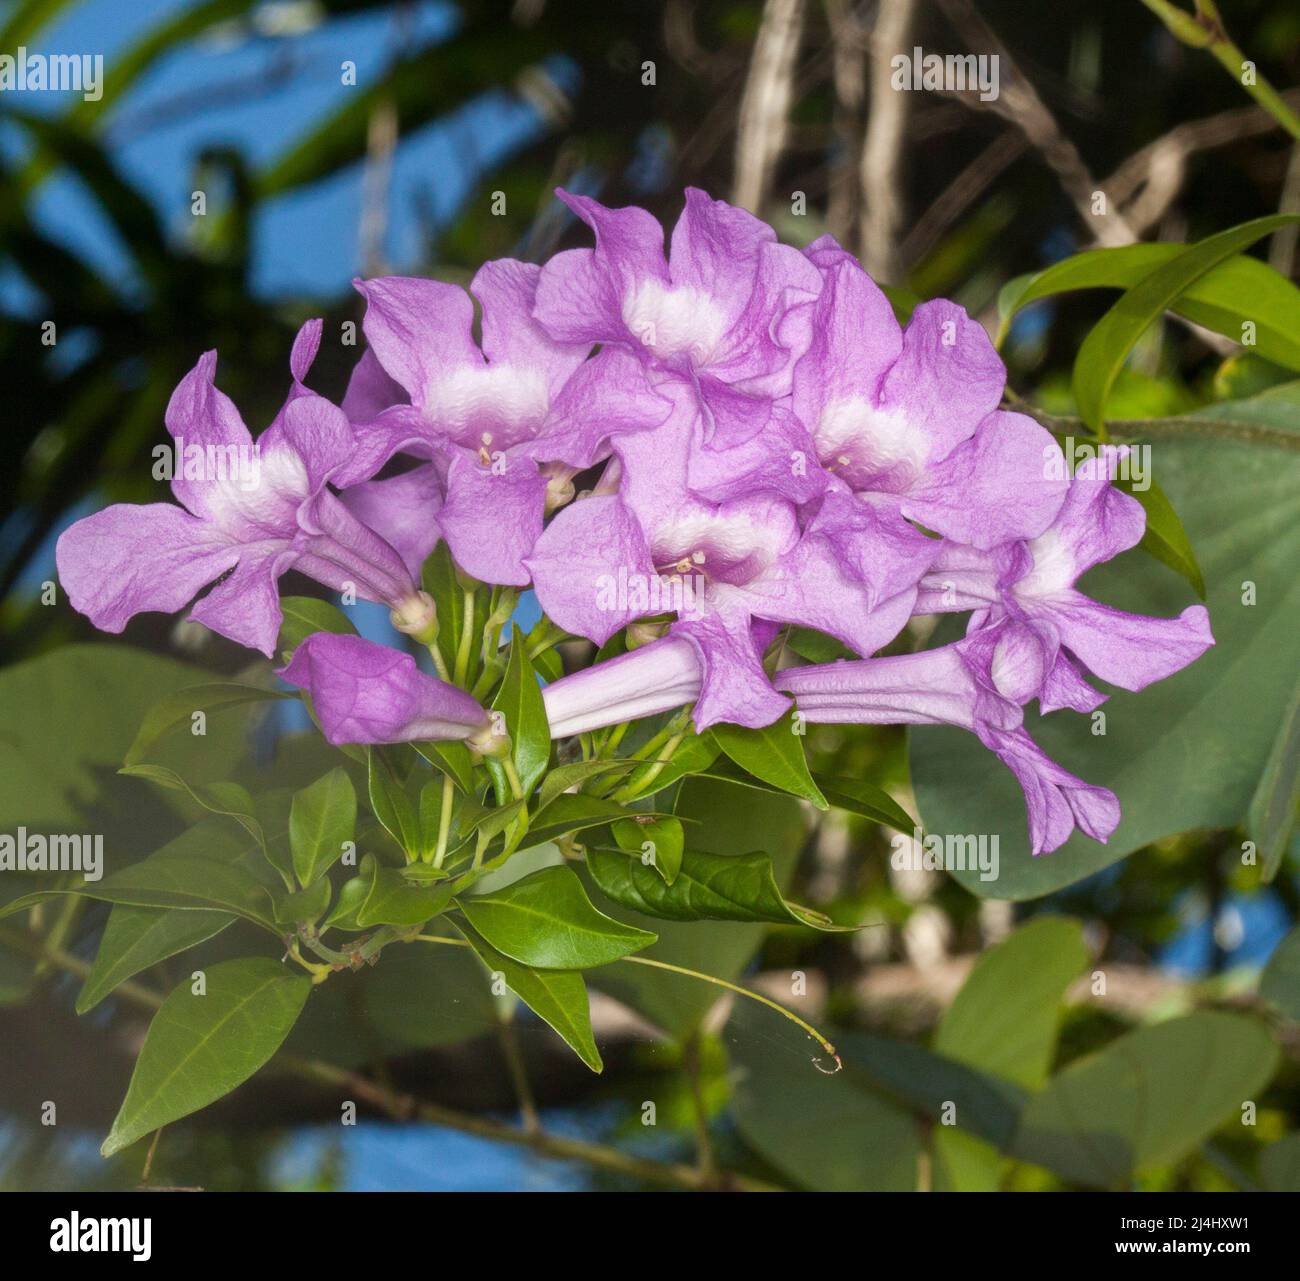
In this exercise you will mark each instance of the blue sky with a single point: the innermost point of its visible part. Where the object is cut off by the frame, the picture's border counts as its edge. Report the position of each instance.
(259, 92)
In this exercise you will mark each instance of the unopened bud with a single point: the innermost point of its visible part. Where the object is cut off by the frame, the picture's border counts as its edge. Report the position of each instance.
(491, 739)
(639, 634)
(417, 616)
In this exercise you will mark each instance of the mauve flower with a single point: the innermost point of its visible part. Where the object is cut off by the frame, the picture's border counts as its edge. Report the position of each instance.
(507, 424)
(728, 309)
(654, 548)
(258, 510)
(949, 686)
(368, 693)
(909, 417)
(1049, 630)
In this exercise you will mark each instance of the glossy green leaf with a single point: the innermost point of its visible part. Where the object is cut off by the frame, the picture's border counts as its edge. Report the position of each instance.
(559, 780)
(866, 800)
(303, 907)
(392, 900)
(391, 803)
(708, 887)
(774, 754)
(693, 755)
(322, 821)
(559, 997)
(547, 920)
(519, 700)
(1147, 1099)
(1106, 347)
(571, 812)
(452, 759)
(1165, 537)
(136, 938)
(1238, 290)
(199, 1048)
(657, 842)
(229, 799)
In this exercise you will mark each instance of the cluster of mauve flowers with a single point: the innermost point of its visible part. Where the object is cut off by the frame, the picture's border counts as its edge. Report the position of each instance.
(762, 445)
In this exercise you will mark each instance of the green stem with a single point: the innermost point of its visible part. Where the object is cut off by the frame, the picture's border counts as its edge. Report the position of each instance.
(444, 820)
(438, 661)
(466, 637)
(636, 786)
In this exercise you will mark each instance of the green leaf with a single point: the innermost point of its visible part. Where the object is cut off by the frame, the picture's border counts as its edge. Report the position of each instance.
(1004, 1022)
(390, 802)
(228, 799)
(658, 841)
(452, 759)
(559, 780)
(1189, 751)
(1279, 985)
(708, 887)
(303, 907)
(1165, 538)
(1147, 1099)
(1004, 1018)
(441, 580)
(71, 714)
(694, 755)
(199, 1048)
(559, 997)
(1106, 347)
(178, 708)
(1238, 290)
(1271, 817)
(774, 754)
(547, 920)
(1279, 1164)
(304, 616)
(519, 700)
(728, 820)
(866, 800)
(137, 937)
(392, 900)
(322, 821)
(830, 1133)
(185, 882)
(571, 812)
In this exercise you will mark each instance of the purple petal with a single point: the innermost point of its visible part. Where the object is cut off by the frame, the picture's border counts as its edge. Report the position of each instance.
(245, 607)
(1056, 800)
(1128, 650)
(341, 551)
(507, 291)
(367, 693)
(417, 328)
(591, 569)
(605, 397)
(305, 346)
(128, 560)
(319, 433)
(580, 293)
(947, 380)
(991, 489)
(402, 510)
(492, 519)
(370, 390)
(199, 417)
(734, 686)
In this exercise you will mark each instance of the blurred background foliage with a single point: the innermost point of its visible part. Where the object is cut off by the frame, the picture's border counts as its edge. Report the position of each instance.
(329, 138)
